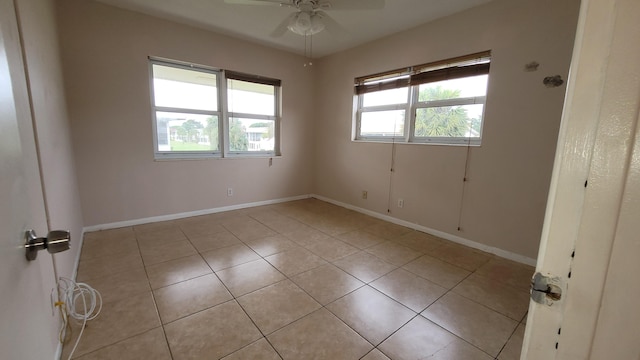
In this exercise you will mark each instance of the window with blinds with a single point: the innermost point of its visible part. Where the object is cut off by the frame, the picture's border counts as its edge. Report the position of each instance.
(440, 102)
(204, 112)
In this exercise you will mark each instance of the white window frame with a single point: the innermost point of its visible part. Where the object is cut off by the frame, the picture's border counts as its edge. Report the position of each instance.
(413, 104)
(224, 116)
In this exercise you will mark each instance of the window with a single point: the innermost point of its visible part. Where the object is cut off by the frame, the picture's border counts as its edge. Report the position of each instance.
(439, 103)
(205, 112)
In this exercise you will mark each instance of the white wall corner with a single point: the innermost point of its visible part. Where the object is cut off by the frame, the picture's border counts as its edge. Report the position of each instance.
(454, 238)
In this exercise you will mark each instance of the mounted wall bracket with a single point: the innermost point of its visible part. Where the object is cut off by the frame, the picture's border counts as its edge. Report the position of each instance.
(545, 289)
(55, 242)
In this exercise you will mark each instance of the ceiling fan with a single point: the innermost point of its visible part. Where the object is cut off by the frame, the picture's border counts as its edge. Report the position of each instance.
(310, 17)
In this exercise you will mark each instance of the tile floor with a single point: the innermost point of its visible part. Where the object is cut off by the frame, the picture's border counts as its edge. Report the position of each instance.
(297, 280)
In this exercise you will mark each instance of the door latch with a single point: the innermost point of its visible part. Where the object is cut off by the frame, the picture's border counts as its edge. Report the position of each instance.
(545, 289)
(55, 242)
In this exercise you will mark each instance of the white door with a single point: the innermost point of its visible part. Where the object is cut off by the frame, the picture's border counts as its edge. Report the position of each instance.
(591, 238)
(28, 327)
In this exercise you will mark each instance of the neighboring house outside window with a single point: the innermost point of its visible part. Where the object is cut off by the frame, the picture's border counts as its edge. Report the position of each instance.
(194, 105)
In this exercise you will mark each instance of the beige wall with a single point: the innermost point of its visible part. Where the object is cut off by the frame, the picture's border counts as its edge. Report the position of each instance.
(504, 201)
(105, 52)
(51, 123)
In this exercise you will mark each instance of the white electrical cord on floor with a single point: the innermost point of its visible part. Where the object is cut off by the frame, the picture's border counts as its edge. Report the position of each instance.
(70, 293)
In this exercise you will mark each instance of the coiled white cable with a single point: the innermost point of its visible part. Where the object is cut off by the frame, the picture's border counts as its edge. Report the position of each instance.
(70, 294)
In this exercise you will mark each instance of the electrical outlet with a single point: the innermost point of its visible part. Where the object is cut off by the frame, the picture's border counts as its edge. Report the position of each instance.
(400, 203)
(229, 191)
(364, 194)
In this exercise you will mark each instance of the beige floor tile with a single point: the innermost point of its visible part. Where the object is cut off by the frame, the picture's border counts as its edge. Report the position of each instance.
(120, 285)
(259, 350)
(393, 253)
(271, 245)
(174, 271)
(155, 227)
(212, 333)
(441, 273)
(409, 289)
(110, 234)
(233, 219)
(265, 215)
(201, 228)
(327, 283)
(475, 323)
(166, 252)
(203, 321)
(160, 237)
(387, 230)
(375, 354)
(372, 314)
(295, 261)
(360, 221)
(306, 237)
(508, 272)
(286, 225)
(103, 245)
(422, 339)
(504, 299)
(334, 229)
(245, 278)
(277, 305)
(149, 345)
(461, 256)
(215, 241)
(229, 256)
(360, 239)
(250, 230)
(364, 266)
(190, 296)
(319, 336)
(116, 323)
(419, 241)
(513, 348)
(109, 264)
(207, 218)
(332, 249)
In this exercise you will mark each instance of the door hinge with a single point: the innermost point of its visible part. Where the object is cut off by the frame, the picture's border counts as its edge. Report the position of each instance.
(545, 289)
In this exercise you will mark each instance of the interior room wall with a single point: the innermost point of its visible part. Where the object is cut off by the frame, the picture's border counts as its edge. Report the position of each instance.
(508, 175)
(105, 55)
(51, 124)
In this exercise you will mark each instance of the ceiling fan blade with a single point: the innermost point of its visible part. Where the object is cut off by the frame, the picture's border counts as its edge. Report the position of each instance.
(352, 4)
(331, 25)
(283, 27)
(257, 2)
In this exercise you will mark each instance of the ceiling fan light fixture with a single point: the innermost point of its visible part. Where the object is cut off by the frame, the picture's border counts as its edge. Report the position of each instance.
(304, 23)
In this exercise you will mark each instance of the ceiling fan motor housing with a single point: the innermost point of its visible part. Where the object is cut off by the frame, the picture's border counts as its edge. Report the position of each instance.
(306, 23)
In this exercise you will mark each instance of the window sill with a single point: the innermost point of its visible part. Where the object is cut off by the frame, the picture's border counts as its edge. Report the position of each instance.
(230, 157)
(399, 142)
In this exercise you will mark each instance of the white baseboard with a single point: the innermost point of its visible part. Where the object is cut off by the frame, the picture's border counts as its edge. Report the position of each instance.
(454, 238)
(183, 215)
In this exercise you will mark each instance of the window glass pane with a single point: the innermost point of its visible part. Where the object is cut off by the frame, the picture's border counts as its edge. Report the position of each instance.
(456, 88)
(449, 121)
(187, 89)
(386, 97)
(251, 98)
(382, 123)
(251, 134)
(186, 132)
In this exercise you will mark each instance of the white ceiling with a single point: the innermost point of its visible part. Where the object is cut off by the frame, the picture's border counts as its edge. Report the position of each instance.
(255, 23)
